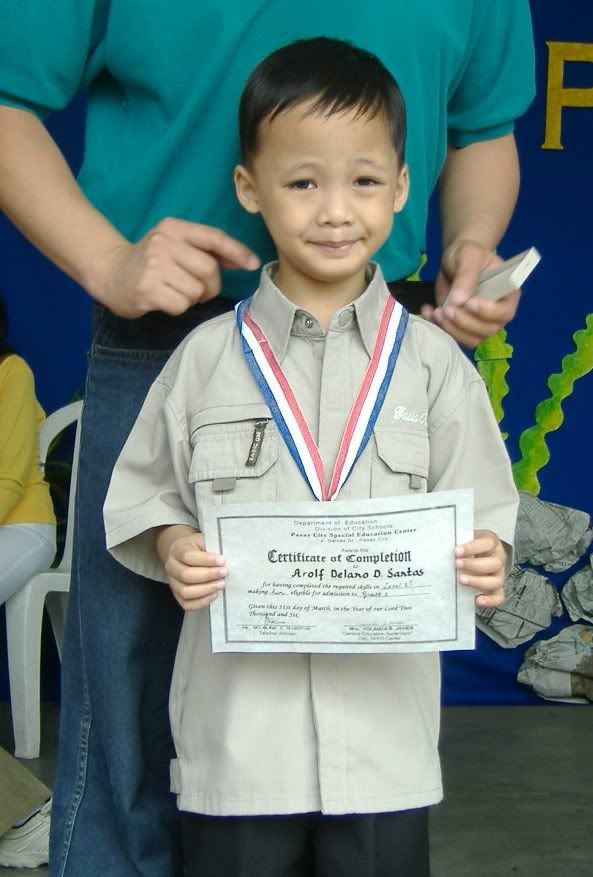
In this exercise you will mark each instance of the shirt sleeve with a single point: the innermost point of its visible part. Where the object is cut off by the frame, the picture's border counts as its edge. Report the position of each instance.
(49, 51)
(149, 485)
(496, 83)
(467, 451)
(18, 434)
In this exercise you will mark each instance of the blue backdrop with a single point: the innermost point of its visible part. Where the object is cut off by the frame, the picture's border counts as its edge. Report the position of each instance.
(50, 318)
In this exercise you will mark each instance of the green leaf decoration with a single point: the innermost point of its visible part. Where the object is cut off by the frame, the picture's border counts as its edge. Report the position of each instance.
(492, 360)
(548, 414)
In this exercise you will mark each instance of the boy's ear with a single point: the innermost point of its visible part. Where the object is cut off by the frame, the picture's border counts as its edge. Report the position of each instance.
(245, 189)
(402, 189)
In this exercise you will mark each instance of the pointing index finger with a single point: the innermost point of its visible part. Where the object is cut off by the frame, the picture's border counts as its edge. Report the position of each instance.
(228, 251)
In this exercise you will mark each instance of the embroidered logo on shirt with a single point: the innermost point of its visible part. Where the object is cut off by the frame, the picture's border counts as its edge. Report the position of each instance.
(403, 413)
(256, 443)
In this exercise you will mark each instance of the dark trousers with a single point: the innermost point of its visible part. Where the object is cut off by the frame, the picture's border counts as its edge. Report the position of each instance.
(112, 813)
(308, 845)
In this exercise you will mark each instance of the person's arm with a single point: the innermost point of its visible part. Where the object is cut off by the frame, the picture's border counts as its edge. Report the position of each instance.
(40, 195)
(480, 180)
(479, 186)
(175, 265)
(478, 191)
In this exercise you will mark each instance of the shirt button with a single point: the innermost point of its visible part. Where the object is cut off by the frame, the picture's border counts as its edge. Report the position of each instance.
(309, 323)
(345, 319)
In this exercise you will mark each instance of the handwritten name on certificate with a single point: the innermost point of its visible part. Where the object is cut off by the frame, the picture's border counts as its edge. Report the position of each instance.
(371, 576)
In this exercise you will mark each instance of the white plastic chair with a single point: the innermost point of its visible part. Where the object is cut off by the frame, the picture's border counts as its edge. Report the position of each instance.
(24, 610)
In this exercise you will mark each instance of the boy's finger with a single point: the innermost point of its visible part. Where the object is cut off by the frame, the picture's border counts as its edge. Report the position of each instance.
(488, 563)
(194, 575)
(192, 556)
(184, 591)
(486, 584)
(485, 544)
(192, 605)
(198, 592)
(199, 541)
(490, 601)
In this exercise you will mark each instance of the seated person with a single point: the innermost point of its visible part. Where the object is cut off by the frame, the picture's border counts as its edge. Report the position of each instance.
(27, 547)
(27, 520)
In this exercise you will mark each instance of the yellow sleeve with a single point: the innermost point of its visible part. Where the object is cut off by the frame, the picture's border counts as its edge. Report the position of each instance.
(18, 431)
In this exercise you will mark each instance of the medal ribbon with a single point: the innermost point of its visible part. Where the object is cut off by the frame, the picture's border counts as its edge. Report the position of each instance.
(286, 411)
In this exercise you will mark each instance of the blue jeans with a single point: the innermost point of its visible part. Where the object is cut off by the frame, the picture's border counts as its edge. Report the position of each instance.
(112, 812)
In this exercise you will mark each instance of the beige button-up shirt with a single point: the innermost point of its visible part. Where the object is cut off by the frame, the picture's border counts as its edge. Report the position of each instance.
(269, 733)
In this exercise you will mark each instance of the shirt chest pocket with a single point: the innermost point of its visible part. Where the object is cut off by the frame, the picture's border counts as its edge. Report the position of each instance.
(400, 462)
(234, 462)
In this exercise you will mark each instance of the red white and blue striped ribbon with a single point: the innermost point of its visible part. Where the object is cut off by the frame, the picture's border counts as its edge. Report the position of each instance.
(286, 411)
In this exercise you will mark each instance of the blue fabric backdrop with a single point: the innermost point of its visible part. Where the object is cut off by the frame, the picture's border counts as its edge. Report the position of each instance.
(51, 319)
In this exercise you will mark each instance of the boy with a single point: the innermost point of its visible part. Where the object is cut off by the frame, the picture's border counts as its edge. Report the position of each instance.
(342, 747)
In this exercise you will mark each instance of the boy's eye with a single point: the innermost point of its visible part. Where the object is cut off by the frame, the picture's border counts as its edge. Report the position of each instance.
(301, 184)
(367, 182)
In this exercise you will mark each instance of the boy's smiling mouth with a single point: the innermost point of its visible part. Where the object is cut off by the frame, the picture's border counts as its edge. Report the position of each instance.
(335, 246)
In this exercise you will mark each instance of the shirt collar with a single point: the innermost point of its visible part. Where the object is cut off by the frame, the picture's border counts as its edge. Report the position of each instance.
(275, 314)
(369, 307)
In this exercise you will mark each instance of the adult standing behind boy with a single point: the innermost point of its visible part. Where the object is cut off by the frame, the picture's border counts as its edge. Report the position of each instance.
(163, 82)
(308, 764)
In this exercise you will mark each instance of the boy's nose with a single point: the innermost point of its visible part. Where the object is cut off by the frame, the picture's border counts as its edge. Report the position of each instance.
(335, 210)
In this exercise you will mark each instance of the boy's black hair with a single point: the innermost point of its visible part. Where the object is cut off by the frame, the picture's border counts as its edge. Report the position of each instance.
(336, 75)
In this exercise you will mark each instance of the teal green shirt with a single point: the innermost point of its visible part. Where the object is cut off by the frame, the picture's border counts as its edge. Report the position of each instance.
(164, 80)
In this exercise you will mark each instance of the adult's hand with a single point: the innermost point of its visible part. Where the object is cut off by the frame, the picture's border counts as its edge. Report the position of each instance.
(466, 317)
(174, 266)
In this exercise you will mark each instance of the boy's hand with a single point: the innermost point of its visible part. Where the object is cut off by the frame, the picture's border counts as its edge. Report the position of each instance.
(481, 564)
(196, 577)
(466, 317)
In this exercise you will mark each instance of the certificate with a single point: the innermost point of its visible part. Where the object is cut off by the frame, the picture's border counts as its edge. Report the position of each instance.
(372, 576)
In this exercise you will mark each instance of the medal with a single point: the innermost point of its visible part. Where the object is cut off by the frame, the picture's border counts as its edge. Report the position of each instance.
(286, 411)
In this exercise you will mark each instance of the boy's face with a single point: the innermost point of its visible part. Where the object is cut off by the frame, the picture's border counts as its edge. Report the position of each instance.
(327, 188)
